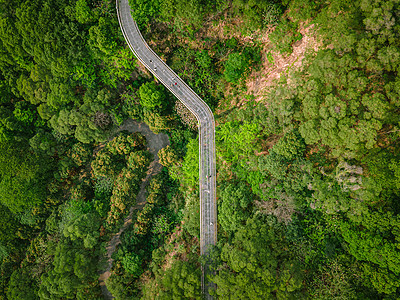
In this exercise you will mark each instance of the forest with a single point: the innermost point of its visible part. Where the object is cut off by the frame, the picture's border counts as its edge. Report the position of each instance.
(306, 98)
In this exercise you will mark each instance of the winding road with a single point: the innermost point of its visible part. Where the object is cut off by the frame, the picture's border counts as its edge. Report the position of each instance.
(206, 124)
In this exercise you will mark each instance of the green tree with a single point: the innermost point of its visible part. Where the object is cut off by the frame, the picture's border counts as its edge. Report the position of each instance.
(9, 228)
(256, 265)
(22, 286)
(257, 13)
(9, 126)
(180, 281)
(156, 121)
(190, 165)
(145, 10)
(290, 146)
(102, 37)
(167, 156)
(104, 165)
(24, 176)
(124, 143)
(236, 139)
(83, 12)
(334, 282)
(74, 269)
(81, 153)
(138, 162)
(375, 244)
(151, 95)
(236, 204)
(132, 264)
(43, 142)
(84, 227)
(183, 13)
(284, 35)
(236, 65)
(191, 215)
(121, 286)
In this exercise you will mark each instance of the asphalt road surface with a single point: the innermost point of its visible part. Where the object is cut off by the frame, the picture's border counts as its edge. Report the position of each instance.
(205, 119)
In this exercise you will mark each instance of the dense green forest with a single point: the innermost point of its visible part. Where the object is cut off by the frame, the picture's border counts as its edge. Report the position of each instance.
(308, 169)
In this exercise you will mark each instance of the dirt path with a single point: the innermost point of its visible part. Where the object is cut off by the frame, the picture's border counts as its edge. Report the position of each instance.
(155, 143)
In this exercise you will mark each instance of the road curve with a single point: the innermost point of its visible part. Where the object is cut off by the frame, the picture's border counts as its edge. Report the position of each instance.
(206, 124)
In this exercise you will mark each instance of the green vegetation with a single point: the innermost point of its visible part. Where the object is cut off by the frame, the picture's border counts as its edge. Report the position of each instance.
(151, 95)
(284, 35)
(307, 175)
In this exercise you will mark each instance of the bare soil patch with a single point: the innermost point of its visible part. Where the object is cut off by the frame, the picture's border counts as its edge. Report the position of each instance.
(259, 81)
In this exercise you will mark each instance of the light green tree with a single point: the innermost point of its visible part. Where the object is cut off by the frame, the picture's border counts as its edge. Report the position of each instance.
(23, 177)
(236, 204)
(236, 65)
(151, 95)
(256, 266)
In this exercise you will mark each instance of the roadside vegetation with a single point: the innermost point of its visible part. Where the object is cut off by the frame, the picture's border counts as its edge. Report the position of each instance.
(307, 166)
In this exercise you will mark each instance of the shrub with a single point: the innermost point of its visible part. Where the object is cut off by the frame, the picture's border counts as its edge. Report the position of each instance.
(132, 264)
(151, 95)
(291, 145)
(235, 67)
(284, 35)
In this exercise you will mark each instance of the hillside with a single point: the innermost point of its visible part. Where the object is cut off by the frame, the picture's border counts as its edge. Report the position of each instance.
(306, 99)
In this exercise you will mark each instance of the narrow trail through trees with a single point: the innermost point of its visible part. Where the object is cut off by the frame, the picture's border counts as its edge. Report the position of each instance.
(155, 142)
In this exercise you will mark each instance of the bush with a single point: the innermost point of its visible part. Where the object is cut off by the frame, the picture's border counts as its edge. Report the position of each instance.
(291, 145)
(105, 165)
(272, 14)
(132, 264)
(151, 95)
(284, 35)
(80, 153)
(235, 67)
(125, 143)
(167, 156)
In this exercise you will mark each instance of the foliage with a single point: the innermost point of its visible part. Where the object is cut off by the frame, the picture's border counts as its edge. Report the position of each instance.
(9, 228)
(83, 12)
(255, 265)
(43, 142)
(374, 244)
(258, 13)
(237, 139)
(180, 281)
(191, 215)
(104, 165)
(235, 208)
(83, 227)
(183, 12)
(190, 166)
(82, 122)
(22, 286)
(76, 264)
(80, 154)
(167, 156)
(132, 264)
(145, 10)
(307, 178)
(290, 146)
(156, 121)
(124, 143)
(236, 65)
(23, 177)
(334, 282)
(120, 286)
(151, 95)
(284, 36)
(118, 169)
